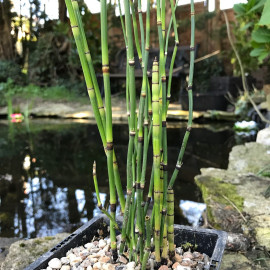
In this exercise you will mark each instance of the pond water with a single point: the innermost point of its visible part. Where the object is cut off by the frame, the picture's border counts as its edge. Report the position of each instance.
(46, 165)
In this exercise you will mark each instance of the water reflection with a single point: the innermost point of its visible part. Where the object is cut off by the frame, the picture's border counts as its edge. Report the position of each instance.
(45, 172)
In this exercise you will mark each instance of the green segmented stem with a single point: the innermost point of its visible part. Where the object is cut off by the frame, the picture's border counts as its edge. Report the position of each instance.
(170, 222)
(190, 99)
(142, 29)
(173, 8)
(103, 210)
(164, 256)
(90, 62)
(85, 68)
(156, 157)
(143, 113)
(163, 15)
(95, 97)
(147, 249)
(132, 132)
(109, 133)
(135, 28)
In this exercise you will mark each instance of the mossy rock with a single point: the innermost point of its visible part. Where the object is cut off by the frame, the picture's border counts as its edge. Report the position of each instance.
(237, 261)
(24, 252)
(222, 200)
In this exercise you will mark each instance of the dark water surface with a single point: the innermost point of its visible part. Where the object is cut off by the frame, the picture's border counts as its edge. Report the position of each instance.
(46, 172)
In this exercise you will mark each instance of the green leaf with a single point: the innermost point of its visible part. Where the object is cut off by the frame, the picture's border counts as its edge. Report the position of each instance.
(263, 56)
(257, 52)
(261, 35)
(265, 18)
(246, 26)
(239, 9)
(257, 6)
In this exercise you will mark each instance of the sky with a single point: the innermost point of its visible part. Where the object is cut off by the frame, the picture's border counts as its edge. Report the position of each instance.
(51, 6)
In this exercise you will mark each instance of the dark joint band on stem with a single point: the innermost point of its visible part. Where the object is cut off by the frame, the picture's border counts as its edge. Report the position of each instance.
(170, 232)
(157, 191)
(189, 87)
(170, 201)
(140, 139)
(140, 59)
(147, 249)
(134, 185)
(105, 69)
(156, 156)
(148, 200)
(164, 212)
(192, 13)
(157, 232)
(177, 43)
(87, 52)
(154, 71)
(115, 162)
(189, 128)
(164, 123)
(74, 26)
(129, 192)
(192, 48)
(102, 107)
(138, 186)
(159, 23)
(100, 206)
(170, 215)
(153, 101)
(157, 125)
(163, 30)
(150, 112)
(147, 48)
(90, 89)
(109, 146)
(168, 98)
(113, 207)
(163, 78)
(165, 167)
(142, 203)
(139, 11)
(132, 133)
(145, 123)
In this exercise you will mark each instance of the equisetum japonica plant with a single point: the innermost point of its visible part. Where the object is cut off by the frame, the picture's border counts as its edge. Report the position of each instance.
(146, 125)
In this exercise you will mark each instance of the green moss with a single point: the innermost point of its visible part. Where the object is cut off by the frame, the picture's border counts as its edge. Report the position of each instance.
(49, 238)
(38, 242)
(22, 245)
(215, 189)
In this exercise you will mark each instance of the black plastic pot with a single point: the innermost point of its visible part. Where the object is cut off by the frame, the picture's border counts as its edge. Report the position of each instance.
(210, 242)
